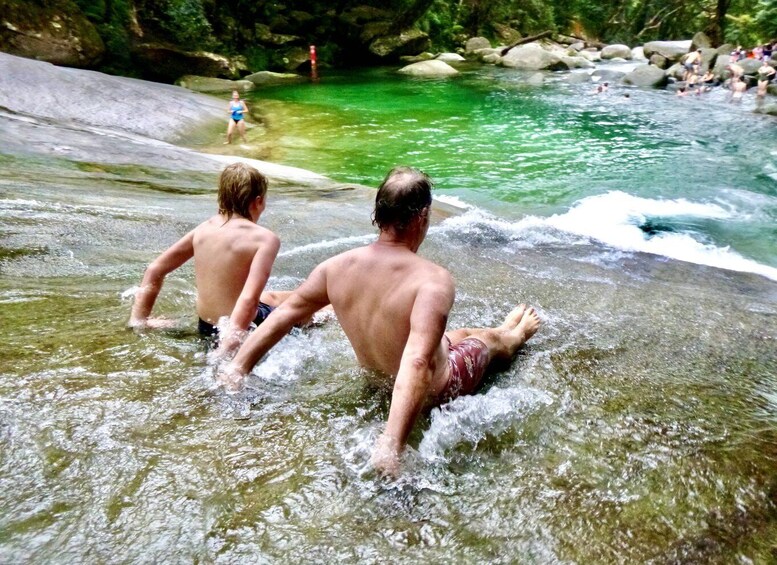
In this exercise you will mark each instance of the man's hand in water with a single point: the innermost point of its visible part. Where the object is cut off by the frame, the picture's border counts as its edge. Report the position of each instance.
(386, 456)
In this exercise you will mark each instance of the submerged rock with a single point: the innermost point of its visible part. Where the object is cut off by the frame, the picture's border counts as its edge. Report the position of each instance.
(646, 76)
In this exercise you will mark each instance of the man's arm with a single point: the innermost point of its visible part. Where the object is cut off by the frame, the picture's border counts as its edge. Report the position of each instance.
(301, 305)
(416, 372)
(154, 277)
(244, 310)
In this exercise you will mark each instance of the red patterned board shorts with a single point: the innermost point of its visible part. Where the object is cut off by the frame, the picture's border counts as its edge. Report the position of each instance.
(468, 361)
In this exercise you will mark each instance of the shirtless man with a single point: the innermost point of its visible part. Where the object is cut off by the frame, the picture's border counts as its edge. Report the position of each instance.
(765, 74)
(233, 257)
(738, 89)
(393, 306)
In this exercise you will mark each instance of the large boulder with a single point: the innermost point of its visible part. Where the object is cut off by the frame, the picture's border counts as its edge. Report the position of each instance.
(167, 64)
(210, 84)
(475, 43)
(638, 53)
(433, 68)
(673, 51)
(532, 57)
(591, 55)
(616, 50)
(409, 42)
(57, 33)
(269, 78)
(700, 41)
(265, 36)
(450, 57)
(659, 61)
(751, 66)
(708, 56)
(646, 76)
(577, 62)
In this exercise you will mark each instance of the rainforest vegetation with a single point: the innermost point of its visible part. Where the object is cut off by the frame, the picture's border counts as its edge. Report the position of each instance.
(263, 31)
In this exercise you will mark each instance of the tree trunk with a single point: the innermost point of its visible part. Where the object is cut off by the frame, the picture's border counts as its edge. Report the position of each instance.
(718, 29)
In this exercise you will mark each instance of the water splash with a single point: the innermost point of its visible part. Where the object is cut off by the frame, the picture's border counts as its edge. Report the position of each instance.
(469, 419)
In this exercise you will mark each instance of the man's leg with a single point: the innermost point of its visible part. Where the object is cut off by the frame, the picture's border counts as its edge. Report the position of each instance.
(503, 341)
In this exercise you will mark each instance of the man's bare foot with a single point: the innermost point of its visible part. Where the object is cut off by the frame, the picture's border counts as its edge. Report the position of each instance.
(514, 317)
(527, 325)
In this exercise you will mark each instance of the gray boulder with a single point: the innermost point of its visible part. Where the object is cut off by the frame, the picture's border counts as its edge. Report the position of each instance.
(700, 41)
(591, 55)
(676, 71)
(409, 42)
(269, 78)
(577, 62)
(491, 58)
(708, 57)
(670, 50)
(770, 109)
(616, 50)
(532, 57)
(166, 63)
(57, 34)
(659, 61)
(210, 84)
(475, 43)
(751, 66)
(719, 70)
(646, 76)
(433, 68)
(409, 59)
(450, 57)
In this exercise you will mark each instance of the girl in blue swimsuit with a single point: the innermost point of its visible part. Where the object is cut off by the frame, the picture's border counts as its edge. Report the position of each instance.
(237, 111)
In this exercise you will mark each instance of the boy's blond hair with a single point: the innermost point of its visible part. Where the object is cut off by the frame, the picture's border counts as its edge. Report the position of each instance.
(239, 185)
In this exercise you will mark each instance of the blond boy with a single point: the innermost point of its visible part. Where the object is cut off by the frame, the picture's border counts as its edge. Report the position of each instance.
(233, 257)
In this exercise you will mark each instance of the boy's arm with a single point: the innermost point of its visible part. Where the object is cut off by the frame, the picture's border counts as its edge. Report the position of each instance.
(310, 297)
(245, 308)
(154, 277)
(416, 373)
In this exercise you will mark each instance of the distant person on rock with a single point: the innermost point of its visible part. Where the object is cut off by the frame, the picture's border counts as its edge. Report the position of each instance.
(393, 306)
(237, 111)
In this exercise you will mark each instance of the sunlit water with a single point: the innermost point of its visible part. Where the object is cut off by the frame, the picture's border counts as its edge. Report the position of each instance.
(638, 425)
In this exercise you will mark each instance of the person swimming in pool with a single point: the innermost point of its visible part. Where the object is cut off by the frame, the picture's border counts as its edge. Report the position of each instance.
(237, 112)
(393, 306)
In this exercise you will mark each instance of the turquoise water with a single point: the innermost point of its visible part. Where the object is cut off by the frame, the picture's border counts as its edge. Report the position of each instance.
(699, 172)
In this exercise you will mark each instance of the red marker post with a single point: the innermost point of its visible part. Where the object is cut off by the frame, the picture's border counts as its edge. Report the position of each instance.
(313, 64)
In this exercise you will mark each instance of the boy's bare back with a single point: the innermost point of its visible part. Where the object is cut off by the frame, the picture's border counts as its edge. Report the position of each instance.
(224, 252)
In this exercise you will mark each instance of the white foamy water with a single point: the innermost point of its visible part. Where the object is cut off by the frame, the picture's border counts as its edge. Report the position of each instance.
(471, 418)
(617, 219)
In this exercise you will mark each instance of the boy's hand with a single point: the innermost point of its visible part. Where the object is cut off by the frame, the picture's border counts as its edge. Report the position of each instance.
(230, 378)
(386, 457)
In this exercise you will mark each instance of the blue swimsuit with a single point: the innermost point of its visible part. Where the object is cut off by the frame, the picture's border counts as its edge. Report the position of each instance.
(237, 111)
